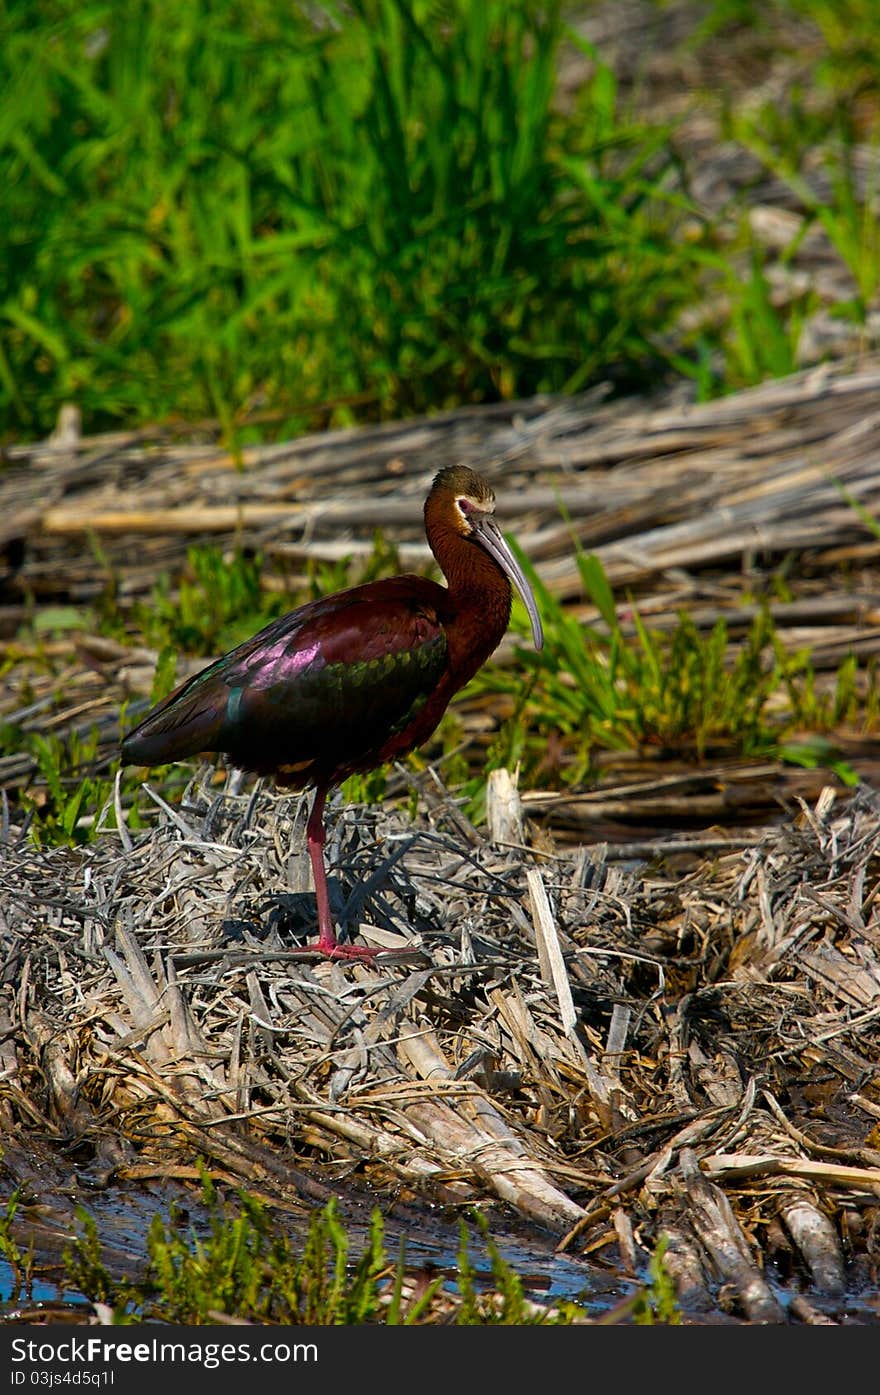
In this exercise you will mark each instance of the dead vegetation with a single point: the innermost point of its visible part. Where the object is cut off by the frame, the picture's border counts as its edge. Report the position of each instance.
(649, 1009)
(616, 1055)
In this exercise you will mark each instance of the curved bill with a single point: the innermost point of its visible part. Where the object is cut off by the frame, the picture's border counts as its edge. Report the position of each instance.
(489, 535)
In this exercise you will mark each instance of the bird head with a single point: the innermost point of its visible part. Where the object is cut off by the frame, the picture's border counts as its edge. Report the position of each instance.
(468, 502)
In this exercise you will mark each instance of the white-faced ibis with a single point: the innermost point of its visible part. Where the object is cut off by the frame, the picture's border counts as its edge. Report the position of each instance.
(346, 683)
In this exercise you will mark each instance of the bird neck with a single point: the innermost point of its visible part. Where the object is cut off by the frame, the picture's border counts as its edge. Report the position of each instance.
(479, 594)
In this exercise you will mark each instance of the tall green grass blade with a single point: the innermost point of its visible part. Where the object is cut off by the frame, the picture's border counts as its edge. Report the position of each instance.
(216, 206)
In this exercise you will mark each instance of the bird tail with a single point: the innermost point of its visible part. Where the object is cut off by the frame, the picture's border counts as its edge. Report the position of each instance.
(190, 720)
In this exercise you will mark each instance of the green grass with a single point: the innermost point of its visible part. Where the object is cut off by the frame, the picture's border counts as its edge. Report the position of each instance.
(761, 340)
(594, 687)
(844, 33)
(70, 800)
(248, 211)
(656, 1305)
(240, 1264)
(280, 215)
(787, 140)
(216, 602)
(812, 135)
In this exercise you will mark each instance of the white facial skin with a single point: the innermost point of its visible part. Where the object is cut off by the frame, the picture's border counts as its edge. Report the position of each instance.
(467, 506)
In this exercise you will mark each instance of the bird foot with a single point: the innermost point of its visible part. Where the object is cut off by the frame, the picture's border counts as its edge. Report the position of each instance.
(348, 952)
(337, 951)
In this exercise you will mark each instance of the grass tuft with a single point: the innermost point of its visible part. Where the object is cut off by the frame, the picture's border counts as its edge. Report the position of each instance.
(242, 1266)
(594, 687)
(252, 212)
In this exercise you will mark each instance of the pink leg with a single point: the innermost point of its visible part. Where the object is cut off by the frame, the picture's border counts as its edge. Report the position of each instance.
(316, 837)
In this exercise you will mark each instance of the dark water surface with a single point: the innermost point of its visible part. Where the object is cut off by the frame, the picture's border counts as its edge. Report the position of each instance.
(123, 1215)
(431, 1235)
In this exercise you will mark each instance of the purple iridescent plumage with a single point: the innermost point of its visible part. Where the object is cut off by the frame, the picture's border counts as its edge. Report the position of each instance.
(351, 681)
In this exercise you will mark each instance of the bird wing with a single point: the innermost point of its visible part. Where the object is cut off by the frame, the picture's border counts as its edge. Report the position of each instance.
(321, 689)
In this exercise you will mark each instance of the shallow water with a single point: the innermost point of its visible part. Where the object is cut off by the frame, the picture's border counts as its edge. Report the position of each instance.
(432, 1241)
(431, 1234)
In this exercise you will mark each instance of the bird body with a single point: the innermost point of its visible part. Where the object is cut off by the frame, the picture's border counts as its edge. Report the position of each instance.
(344, 684)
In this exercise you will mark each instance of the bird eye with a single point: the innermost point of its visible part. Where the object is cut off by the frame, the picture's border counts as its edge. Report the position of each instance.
(466, 506)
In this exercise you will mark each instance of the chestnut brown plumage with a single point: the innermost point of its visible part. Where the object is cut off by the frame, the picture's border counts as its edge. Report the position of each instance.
(346, 683)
